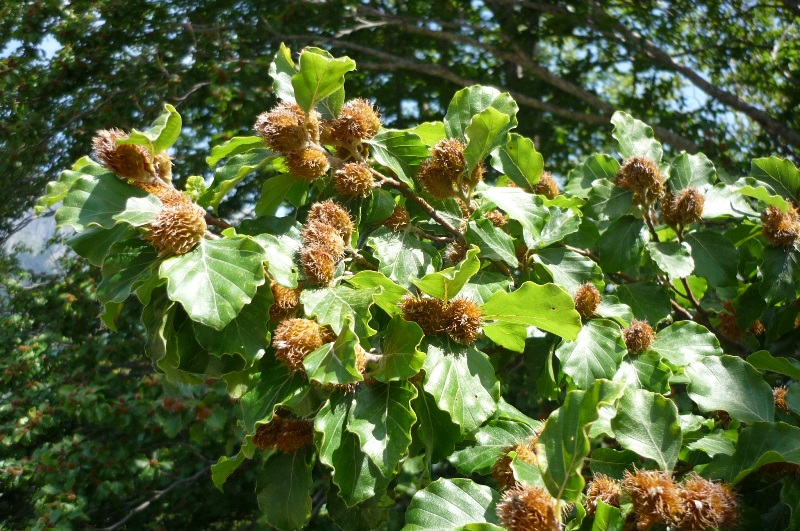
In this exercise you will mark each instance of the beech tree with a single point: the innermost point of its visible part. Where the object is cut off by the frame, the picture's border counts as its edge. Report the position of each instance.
(425, 313)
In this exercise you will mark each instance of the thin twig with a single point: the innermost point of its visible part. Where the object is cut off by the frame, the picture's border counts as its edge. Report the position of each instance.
(211, 220)
(360, 259)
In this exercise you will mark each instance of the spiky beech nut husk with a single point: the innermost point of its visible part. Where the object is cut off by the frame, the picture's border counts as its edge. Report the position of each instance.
(728, 323)
(455, 252)
(307, 164)
(317, 233)
(781, 229)
(779, 394)
(706, 505)
(546, 186)
(587, 299)
(448, 156)
(462, 206)
(779, 470)
(642, 176)
(427, 312)
(436, 182)
(475, 177)
(358, 120)
(318, 264)
(502, 471)
(685, 208)
(757, 328)
(639, 336)
(285, 128)
(286, 435)
(326, 133)
(655, 496)
(602, 488)
(128, 161)
(296, 338)
(177, 228)
(332, 214)
(286, 302)
(528, 508)
(522, 253)
(353, 180)
(398, 219)
(162, 164)
(496, 217)
(464, 319)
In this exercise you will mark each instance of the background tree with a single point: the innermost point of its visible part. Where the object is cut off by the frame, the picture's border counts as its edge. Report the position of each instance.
(721, 77)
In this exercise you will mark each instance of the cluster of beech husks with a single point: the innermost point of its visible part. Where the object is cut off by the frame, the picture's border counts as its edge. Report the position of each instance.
(443, 175)
(461, 319)
(180, 224)
(326, 235)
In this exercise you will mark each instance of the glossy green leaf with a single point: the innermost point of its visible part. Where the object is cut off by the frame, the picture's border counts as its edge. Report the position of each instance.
(673, 258)
(780, 175)
(607, 201)
(621, 245)
(595, 354)
(364, 516)
(691, 171)
(493, 242)
(451, 504)
(161, 135)
(547, 307)
(762, 194)
(334, 306)
(335, 363)
(569, 269)
(561, 222)
(126, 266)
(647, 423)
(780, 273)
(216, 279)
(381, 417)
(273, 193)
(684, 342)
(236, 168)
(611, 308)
(275, 385)
(471, 101)
(607, 518)
(790, 496)
(764, 361)
(430, 132)
(486, 131)
(434, 428)
(713, 444)
(400, 356)
(224, 467)
(491, 441)
(645, 371)
(648, 300)
(55, 191)
(280, 238)
(613, 463)
(519, 161)
(283, 490)
(484, 284)
(390, 295)
(731, 384)
(281, 70)
(235, 146)
(635, 138)
(715, 258)
(446, 284)
(402, 255)
(320, 76)
(401, 151)
(581, 178)
(461, 379)
(526, 208)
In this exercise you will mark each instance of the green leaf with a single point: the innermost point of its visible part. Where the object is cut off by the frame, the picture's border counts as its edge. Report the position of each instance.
(713, 444)
(780, 175)
(320, 76)
(94, 242)
(613, 463)
(564, 442)
(635, 137)
(759, 444)
(430, 132)
(273, 192)
(434, 429)
(281, 71)
(55, 191)
(685, 342)
(607, 201)
(526, 208)
(235, 146)
(471, 101)
(354, 473)
(547, 307)
(569, 269)
(161, 135)
(451, 504)
(127, 265)
(402, 151)
(280, 238)
(493, 242)
(486, 131)
(645, 371)
(764, 361)
(364, 516)
(446, 284)
(607, 518)
(790, 496)
(724, 201)
(335, 363)
(275, 386)
(715, 258)
(691, 171)
(382, 417)
(401, 359)
(611, 308)
(236, 168)
(389, 297)
(402, 255)
(224, 467)
(216, 279)
(672, 258)
(492, 441)
(581, 180)
(621, 245)
(283, 490)
(731, 384)
(104, 202)
(561, 222)
(647, 423)
(595, 354)
(461, 379)
(335, 306)
(762, 194)
(780, 273)
(648, 301)
(519, 161)
(484, 284)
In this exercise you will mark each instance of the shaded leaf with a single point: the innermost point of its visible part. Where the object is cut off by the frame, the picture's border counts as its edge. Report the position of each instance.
(569, 269)
(281, 71)
(493, 242)
(335, 363)
(691, 171)
(492, 441)
(780, 272)
(275, 386)
(715, 258)
(648, 300)
(621, 245)
(401, 359)
(778, 174)
(283, 490)
(673, 258)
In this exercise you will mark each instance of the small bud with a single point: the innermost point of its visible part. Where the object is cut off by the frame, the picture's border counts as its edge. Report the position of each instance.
(655, 496)
(128, 161)
(638, 336)
(685, 208)
(781, 229)
(455, 252)
(643, 177)
(332, 214)
(501, 470)
(307, 164)
(464, 319)
(779, 394)
(546, 186)
(496, 217)
(706, 505)
(358, 120)
(528, 508)
(427, 312)
(286, 435)
(177, 228)
(398, 219)
(587, 299)
(286, 302)
(284, 128)
(295, 339)
(602, 488)
(353, 180)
